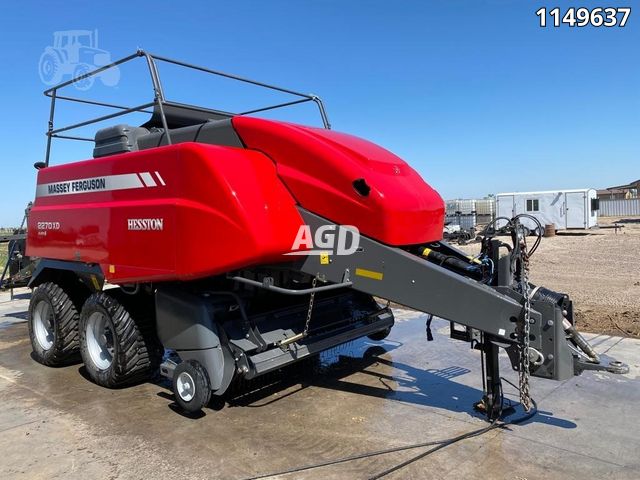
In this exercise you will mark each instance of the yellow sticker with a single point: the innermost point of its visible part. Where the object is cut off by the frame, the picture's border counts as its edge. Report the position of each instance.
(112, 269)
(96, 285)
(369, 274)
(324, 258)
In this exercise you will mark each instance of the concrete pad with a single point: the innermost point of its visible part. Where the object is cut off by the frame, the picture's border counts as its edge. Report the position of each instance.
(360, 397)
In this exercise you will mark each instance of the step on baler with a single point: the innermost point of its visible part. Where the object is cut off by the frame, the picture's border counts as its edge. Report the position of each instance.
(208, 246)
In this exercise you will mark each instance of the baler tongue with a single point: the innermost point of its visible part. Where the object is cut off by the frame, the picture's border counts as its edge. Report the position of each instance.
(613, 366)
(594, 361)
(489, 297)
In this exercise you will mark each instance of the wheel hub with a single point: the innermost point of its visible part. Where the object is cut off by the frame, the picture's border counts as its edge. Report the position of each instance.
(43, 324)
(100, 345)
(185, 387)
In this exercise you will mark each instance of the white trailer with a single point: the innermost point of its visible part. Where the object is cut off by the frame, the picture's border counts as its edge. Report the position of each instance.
(564, 208)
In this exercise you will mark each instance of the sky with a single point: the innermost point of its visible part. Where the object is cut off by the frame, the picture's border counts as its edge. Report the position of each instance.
(475, 95)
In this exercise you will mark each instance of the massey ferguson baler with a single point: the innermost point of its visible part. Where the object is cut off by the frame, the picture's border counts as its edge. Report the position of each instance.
(210, 246)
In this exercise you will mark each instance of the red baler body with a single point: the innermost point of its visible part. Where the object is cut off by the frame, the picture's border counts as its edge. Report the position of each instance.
(193, 210)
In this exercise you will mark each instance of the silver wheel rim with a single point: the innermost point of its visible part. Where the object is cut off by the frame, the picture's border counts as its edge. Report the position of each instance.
(99, 340)
(43, 324)
(185, 387)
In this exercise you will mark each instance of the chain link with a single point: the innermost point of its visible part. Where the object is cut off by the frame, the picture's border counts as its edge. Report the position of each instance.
(310, 309)
(523, 377)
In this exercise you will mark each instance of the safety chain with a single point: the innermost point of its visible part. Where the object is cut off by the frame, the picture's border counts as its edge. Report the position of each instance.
(284, 344)
(310, 309)
(523, 377)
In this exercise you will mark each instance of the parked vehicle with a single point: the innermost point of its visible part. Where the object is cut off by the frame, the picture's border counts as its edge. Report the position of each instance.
(577, 208)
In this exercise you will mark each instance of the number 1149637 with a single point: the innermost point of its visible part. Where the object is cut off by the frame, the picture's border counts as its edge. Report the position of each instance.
(582, 17)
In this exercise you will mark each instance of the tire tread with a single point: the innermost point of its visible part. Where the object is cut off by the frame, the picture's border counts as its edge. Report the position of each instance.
(65, 349)
(138, 353)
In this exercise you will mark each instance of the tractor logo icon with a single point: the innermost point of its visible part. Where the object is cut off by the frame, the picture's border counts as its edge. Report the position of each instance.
(75, 53)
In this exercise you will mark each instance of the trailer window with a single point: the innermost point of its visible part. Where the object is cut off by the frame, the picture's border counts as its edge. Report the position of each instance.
(533, 205)
(595, 204)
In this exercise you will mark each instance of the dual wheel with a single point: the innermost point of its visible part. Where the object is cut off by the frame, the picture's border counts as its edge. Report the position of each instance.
(118, 347)
(112, 335)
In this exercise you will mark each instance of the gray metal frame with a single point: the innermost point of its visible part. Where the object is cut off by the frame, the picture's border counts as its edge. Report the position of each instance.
(159, 99)
(186, 324)
(417, 283)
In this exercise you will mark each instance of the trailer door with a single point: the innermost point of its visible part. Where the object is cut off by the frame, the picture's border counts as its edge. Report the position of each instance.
(575, 210)
(505, 207)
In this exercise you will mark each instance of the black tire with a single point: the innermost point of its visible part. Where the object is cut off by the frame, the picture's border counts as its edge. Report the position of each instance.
(134, 353)
(53, 325)
(380, 335)
(191, 386)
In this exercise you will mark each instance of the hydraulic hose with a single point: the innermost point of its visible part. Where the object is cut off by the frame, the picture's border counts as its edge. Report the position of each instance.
(449, 262)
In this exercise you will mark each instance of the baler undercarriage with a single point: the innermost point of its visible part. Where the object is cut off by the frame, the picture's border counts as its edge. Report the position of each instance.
(230, 296)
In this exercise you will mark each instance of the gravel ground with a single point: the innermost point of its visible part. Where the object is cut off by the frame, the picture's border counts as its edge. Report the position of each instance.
(600, 271)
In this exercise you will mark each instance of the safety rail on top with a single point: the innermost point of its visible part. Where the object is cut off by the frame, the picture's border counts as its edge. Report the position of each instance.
(159, 102)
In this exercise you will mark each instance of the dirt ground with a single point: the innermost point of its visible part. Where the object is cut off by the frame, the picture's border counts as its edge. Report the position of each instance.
(600, 271)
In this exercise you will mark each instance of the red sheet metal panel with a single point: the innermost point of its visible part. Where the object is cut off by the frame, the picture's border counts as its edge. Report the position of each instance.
(177, 212)
(320, 166)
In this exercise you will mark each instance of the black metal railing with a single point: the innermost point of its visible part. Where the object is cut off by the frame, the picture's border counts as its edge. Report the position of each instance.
(159, 100)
